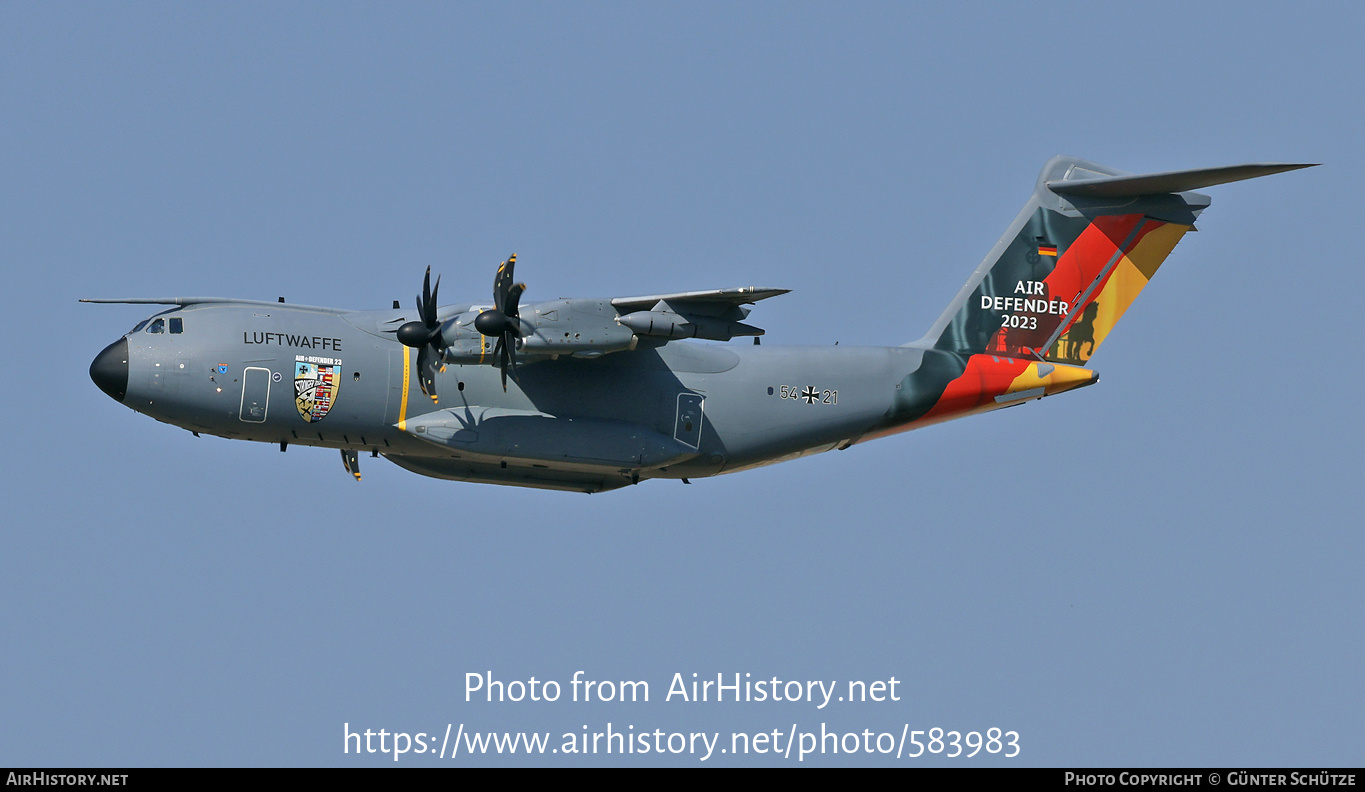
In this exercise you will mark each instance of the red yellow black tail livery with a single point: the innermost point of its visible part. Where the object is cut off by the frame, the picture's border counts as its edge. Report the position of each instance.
(1032, 315)
(1077, 256)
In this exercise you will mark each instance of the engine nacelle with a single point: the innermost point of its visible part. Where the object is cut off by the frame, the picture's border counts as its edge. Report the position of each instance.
(666, 324)
(583, 328)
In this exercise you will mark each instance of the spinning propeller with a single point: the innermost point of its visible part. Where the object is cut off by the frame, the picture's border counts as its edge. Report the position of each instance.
(425, 335)
(501, 321)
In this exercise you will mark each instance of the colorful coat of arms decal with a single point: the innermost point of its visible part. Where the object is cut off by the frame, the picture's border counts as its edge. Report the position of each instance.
(316, 380)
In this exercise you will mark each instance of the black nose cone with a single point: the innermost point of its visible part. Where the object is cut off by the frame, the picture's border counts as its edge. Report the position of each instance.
(110, 369)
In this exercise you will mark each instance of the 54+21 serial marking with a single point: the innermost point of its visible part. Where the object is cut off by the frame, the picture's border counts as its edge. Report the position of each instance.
(810, 394)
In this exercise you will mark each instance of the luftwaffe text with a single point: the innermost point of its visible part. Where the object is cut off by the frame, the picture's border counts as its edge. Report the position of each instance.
(290, 339)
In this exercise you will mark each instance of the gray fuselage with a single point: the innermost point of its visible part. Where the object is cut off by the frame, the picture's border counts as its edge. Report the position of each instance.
(664, 410)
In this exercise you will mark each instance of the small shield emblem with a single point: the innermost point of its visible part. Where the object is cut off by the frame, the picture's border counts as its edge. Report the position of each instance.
(315, 389)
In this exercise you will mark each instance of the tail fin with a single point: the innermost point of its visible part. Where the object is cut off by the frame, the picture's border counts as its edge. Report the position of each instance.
(1075, 258)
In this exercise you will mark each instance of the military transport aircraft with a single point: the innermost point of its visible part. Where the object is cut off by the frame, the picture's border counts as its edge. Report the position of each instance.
(594, 394)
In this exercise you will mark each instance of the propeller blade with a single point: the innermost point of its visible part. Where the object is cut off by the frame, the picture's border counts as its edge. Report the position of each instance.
(512, 356)
(424, 307)
(431, 304)
(504, 361)
(513, 303)
(499, 352)
(502, 283)
(426, 370)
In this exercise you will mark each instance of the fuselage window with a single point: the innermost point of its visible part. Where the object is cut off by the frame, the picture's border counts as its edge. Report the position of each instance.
(177, 324)
(157, 326)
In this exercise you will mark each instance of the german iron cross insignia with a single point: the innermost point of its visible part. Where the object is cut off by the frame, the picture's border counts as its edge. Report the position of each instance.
(810, 394)
(316, 380)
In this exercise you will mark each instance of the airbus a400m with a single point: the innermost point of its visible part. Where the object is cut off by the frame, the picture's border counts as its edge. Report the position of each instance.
(594, 394)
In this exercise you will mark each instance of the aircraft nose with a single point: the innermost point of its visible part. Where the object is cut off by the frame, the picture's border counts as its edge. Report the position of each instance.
(110, 369)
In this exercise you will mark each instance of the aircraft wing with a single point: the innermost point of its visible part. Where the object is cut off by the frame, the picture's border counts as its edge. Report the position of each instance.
(711, 301)
(716, 314)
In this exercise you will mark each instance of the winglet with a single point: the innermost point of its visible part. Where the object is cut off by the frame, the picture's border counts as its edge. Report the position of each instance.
(1169, 182)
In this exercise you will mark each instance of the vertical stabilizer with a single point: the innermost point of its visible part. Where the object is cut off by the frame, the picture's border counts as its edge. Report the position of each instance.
(1083, 248)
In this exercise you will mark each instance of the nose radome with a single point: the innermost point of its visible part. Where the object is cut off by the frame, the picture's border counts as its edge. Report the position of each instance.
(110, 369)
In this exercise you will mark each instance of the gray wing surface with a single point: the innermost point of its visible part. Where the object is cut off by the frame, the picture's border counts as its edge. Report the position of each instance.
(714, 298)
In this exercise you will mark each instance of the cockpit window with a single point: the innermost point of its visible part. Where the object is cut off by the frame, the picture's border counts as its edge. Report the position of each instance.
(177, 324)
(139, 326)
(157, 326)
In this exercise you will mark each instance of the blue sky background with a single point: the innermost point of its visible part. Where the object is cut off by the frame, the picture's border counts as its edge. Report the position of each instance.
(1162, 570)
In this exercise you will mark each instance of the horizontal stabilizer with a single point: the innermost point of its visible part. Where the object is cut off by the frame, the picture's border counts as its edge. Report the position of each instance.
(1169, 182)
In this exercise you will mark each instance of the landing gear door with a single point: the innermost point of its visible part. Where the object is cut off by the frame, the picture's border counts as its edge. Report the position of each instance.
(687, 428)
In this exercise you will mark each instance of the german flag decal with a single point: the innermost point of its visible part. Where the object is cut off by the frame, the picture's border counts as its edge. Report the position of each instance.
(1047, 250)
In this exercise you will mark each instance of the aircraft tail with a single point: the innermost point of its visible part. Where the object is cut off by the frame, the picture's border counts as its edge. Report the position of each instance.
(1074, 259)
